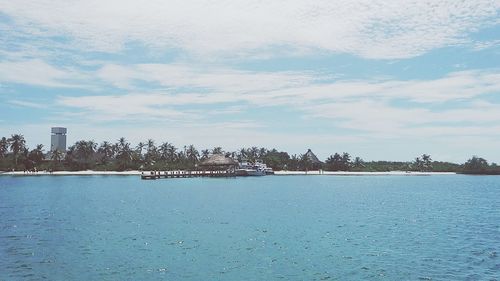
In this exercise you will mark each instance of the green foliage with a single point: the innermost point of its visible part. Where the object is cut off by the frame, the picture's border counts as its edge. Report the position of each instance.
(82, 155)
(17, 145)
(478, 165)
(438, 166)
(338, 162)
(358, 165)
(4, 147)
(276, 160)
(385, 166)
(422, 163)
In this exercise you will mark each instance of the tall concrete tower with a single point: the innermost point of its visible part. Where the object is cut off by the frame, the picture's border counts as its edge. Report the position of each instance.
(58, 139)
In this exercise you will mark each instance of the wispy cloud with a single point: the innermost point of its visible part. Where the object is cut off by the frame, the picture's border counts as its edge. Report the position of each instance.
(201, 77)
(372, 29)
(39, 73)
(27, 104)
(362, 105)
(127, 107)
(206, 70)
(225, 84)
(482, 45)
(380, 119)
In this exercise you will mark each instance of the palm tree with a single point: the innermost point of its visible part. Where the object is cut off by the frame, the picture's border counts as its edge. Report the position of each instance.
(305, 162)
(358, 163)
(253, 153)
(293, 163)
(56, 155)
(181, 157)
(217, 150)
(84, 153)
(231, 154)
(140, 147)
(262, 152)
(346, 161)
(36, 155)
(192, 154)
(427, 162)
(168, 152)
(4, 147)
(151, 152)
(106, 151)
(334, 162)
(418, 164)
(242, 154)
(150, 145)
(122, 142)
(163, 149)
(204, 154)
(17, 144)
(124, 154)
(476, 165)
(138, 150)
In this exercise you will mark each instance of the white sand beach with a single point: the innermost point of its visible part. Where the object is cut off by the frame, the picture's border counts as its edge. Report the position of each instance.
(72, 173)
(341, 173)
(279, 173)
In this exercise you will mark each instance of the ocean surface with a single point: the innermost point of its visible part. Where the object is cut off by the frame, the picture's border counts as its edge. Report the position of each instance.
(440, 227)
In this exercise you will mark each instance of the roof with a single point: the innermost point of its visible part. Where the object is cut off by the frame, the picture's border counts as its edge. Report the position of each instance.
(312, 157)
(218, 160)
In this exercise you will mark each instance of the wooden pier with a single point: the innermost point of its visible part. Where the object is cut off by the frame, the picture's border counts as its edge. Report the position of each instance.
(153, 175)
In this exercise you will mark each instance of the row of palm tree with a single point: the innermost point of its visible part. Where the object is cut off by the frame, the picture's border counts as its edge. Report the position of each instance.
(122, 155)
(19, 152)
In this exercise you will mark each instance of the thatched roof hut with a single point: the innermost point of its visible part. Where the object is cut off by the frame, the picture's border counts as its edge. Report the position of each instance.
(312, 157)
(218, 160)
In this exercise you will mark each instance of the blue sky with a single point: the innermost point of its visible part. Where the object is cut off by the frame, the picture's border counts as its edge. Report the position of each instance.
(379, 79)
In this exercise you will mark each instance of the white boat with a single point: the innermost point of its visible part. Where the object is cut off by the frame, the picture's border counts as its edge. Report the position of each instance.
(249, 169)
(262, 166)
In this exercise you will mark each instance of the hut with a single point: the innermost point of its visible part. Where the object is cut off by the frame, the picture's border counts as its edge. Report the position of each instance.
(219, 162)
(313, 160)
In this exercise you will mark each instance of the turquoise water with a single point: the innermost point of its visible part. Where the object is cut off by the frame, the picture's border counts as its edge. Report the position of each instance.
(266, 228)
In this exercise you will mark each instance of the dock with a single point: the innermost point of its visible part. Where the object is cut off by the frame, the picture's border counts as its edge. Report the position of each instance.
(153, 175)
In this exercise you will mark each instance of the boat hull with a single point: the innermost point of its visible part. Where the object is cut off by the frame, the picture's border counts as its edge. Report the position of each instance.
(250, 173)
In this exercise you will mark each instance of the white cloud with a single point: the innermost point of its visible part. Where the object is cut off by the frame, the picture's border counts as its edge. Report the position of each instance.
(27, 104)
(482, 45)
(368, 28)
(38, 72)
(215, 85)
(362, 105)
(379, 119)
(201, 77)
(127, 107)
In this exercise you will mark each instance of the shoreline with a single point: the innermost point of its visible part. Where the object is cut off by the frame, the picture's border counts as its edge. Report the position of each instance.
(277, 173)
(73, 173)
(344, 173)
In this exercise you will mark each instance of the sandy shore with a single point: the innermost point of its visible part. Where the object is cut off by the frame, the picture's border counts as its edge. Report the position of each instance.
(73, 173)
(280, 173)
(339, 173)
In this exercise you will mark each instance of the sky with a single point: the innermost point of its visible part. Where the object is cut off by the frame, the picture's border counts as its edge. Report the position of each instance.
(382, 80)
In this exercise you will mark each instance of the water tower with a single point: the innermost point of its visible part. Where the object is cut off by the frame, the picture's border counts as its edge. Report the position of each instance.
(58, 139)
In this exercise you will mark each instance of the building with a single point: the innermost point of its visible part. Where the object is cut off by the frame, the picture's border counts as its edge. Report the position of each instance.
(58, 139)
(313, 160)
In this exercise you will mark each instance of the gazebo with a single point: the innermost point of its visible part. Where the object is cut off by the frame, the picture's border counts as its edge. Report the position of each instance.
(219, 162)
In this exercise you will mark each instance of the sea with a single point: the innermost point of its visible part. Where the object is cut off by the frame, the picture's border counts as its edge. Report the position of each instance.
(439, 227)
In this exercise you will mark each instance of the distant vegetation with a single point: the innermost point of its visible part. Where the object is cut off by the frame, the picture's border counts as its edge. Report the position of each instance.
(122, 155)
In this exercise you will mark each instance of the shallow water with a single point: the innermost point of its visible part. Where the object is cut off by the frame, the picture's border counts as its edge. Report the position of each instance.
(267, 228)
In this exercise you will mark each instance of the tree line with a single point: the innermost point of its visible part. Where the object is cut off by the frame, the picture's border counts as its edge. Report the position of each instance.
(122, 155)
